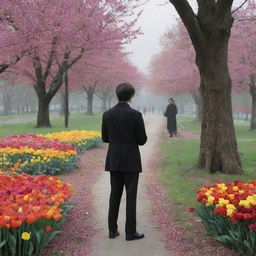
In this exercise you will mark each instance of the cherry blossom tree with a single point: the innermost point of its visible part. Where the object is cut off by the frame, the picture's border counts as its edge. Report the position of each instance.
(56, 34)
(102, 74)
(243, 54)
(181, 74)
(121, 71)
(209, 28)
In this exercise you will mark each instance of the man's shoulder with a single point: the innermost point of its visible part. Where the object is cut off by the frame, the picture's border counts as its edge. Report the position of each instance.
(115, 109)
(107, 112)
(135, 111)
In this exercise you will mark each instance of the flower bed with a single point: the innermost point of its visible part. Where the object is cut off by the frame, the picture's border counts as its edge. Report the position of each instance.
(31, 209)
(228, 210)
(81, 140)
(34, 154)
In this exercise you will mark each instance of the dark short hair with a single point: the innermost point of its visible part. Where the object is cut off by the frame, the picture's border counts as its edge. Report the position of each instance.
(171, 99)
(125, 92)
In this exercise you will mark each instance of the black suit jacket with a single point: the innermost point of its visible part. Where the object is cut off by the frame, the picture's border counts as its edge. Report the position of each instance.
(123, 128)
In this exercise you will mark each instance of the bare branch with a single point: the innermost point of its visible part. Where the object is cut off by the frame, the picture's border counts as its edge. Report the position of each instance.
(190, 21)
(239, 7)
(249, 19)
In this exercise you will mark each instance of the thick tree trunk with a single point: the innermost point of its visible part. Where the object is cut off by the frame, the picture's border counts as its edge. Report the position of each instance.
(89, 97)
(210, 31)
(43, 116)
(199, 108)
(253, 117)
(218, 151)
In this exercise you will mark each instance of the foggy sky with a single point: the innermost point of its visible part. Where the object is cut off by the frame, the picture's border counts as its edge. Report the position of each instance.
(155, 21)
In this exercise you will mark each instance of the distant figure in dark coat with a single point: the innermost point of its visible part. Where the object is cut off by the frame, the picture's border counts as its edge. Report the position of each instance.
(123, 128)
(170, 113)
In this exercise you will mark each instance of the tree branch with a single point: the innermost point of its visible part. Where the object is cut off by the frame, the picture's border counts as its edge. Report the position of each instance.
(29, 75)
(57, 81)
(249, 19)
(5, 66)
(223, 7)
(84, 87)
(40, 83)
(50, 60)
(239, 7)
(77, 58)
(190, 21)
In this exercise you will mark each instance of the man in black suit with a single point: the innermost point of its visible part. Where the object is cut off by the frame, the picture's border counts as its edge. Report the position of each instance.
(123, 128)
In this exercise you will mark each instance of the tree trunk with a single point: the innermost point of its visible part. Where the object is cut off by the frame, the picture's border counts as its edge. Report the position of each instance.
(110, 98)
(66, 100)
(253, 117)
(89, 97)
(199, 108)
(109, 102)
(43, 116)
(218, 150)
(89, 104)
(7, 103)
(209, 30)
(104, 103)
(62, 103)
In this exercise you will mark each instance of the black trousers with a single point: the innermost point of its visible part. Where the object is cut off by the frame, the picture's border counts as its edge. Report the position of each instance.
(119, 180)
(172, 132)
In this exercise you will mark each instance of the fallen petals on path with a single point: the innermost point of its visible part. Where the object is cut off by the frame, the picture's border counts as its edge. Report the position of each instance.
(77, 232)
(178, 241)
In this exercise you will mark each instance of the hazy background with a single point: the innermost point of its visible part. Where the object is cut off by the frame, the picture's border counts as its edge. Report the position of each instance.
(158, 16)
(155, 20)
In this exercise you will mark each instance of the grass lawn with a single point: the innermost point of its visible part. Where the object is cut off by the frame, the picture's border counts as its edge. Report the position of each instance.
(14, 116)
(78, 121)
(242, 129)
(182, 179)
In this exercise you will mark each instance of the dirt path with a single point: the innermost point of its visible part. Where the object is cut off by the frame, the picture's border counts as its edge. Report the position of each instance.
(152, 244)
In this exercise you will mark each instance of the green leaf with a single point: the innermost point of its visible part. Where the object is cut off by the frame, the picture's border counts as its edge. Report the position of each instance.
(12, 244)
(3, 243)
(31, 248)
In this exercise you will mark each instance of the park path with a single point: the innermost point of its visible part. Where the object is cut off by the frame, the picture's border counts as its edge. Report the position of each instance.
(152, 244)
